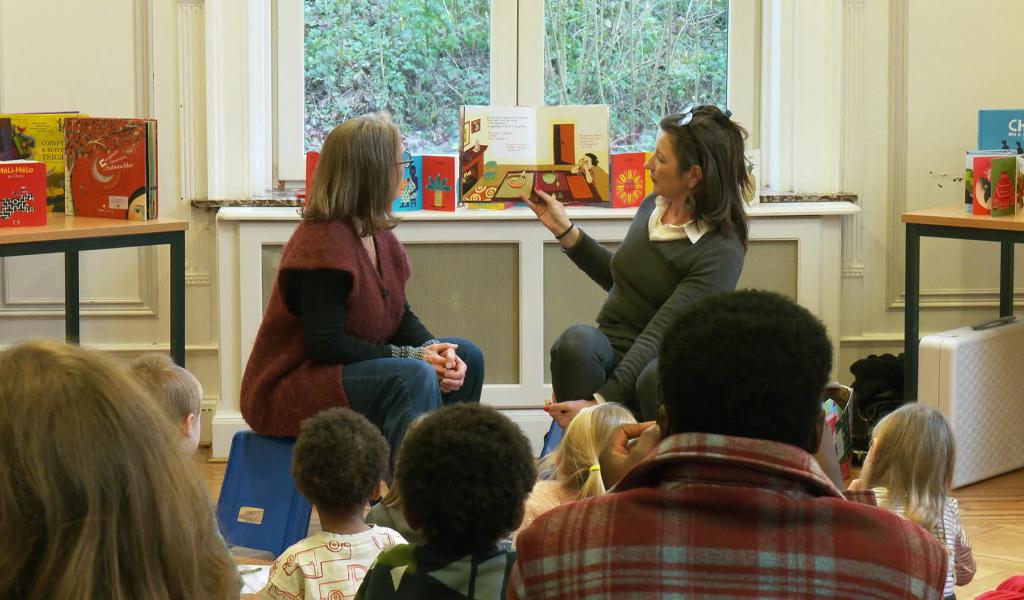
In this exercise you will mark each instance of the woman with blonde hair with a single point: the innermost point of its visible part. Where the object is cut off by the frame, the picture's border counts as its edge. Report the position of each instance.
(910, 468)
(573, 470)
(97, 498)
(338, 330)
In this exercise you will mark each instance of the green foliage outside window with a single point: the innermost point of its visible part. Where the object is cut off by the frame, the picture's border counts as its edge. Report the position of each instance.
(421, 59)
(644, 58)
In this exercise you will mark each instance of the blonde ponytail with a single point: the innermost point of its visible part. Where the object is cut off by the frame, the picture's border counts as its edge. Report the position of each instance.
(576, 461)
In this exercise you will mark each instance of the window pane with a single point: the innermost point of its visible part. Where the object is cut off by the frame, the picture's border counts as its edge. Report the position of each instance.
(419, 59)
(643, 58)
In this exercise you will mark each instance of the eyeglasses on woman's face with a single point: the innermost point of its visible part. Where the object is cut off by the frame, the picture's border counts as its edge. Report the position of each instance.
(406, 160)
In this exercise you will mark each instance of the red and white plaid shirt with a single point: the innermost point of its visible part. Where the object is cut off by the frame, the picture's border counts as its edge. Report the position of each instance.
(712, 516)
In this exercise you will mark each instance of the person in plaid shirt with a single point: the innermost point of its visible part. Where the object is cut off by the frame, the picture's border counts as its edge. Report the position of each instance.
(730, 503)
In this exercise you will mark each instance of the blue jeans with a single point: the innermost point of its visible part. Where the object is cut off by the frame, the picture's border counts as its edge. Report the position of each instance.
(391, 392)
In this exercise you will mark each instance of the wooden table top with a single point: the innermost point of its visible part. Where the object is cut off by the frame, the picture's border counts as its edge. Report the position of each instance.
(61, 227)
(956, 216)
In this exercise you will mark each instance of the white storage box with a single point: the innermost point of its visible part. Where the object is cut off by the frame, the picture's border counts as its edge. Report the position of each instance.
(976, 378)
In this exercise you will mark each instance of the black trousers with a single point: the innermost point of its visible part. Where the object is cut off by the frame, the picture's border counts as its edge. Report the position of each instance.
(582, 360)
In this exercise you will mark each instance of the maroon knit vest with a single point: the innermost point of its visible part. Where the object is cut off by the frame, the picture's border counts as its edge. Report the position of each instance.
(281, 385)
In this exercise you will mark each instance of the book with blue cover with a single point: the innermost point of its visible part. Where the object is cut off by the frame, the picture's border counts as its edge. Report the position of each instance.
(1001, 130)
(411, 197)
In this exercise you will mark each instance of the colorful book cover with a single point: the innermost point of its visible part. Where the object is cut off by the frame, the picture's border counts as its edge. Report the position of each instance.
(438, 178)
(628, 181)
(982, 183)
(565, 149)
(7, 149)
(1020, 184)
(22, 193)
(110, 168)
(496, 205)
(411, 197)
(1004, 185)
(40, 136)
(1001, 130)
(311, 159)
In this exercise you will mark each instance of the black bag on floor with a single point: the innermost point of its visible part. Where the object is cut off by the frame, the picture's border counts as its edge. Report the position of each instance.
(877, 391)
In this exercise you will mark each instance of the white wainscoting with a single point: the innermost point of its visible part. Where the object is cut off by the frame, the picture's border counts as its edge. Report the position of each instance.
(815, 227)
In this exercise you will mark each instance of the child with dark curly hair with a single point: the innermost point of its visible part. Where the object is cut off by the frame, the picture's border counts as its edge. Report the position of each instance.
(465, 472)
(338, 462)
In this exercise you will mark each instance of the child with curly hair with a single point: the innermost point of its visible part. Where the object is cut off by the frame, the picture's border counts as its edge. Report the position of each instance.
(574, 468)
(338, 462)
(464, 473)
(910, 468)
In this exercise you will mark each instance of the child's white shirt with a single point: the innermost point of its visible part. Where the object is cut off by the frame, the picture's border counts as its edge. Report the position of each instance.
(327, 562)
(961, 567)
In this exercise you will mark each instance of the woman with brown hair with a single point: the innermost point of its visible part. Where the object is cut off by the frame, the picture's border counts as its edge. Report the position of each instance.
(97, 497)
(338, 330)
(687, 241)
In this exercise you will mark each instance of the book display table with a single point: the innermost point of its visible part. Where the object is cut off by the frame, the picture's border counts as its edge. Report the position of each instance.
(951, 222)
(71, 235)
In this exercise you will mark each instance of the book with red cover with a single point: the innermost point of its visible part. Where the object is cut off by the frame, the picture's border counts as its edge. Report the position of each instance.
(111, 167)
(438, 180)
(22, 193)
(628, 181)
(311, 159)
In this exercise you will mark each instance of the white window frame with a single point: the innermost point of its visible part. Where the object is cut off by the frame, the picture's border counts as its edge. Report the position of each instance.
(524, 56)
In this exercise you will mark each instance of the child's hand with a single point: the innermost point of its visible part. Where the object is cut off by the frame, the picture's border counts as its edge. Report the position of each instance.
(629, 445)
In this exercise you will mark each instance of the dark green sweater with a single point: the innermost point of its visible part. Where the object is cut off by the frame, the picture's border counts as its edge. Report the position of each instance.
(649, 285)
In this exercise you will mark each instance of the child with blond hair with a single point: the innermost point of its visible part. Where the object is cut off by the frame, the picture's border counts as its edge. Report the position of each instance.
(573, 470)
(177, 391)
(97, 500)
(910, 468)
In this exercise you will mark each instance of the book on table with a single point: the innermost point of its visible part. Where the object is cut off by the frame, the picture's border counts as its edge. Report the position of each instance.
(506, 151)
(22, 193)
(112, 169)
(40, 136)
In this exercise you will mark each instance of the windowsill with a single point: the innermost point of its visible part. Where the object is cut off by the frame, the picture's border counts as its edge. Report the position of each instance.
(287, 199)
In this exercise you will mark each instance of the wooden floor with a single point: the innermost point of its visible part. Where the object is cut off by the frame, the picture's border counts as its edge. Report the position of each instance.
(992, 513)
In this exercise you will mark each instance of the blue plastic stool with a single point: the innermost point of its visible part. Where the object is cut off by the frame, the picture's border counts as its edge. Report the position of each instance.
(259, 506)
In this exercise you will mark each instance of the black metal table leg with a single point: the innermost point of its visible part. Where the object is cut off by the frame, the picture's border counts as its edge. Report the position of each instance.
(911, 316)
(178, 299)
(1005, 278)
(71, 297)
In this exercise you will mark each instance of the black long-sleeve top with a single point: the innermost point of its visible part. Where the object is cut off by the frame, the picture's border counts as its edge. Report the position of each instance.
(319, 298)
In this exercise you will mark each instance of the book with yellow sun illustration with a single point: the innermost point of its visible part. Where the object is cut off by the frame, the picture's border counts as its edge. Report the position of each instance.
(629, 179)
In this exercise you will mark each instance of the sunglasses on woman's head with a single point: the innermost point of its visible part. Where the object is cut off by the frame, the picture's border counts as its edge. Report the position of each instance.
(687, 116)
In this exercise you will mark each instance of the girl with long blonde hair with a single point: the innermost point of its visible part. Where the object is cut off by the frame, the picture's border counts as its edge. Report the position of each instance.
(98, 499)
(910, 468)
(573, 470)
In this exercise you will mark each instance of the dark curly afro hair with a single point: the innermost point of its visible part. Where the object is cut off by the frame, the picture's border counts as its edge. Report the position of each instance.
(750, 364)
(464, 473)
(338, 459)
